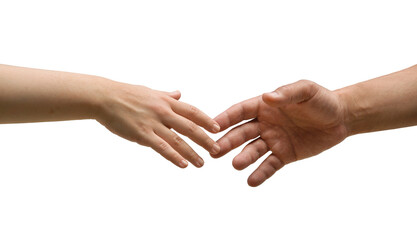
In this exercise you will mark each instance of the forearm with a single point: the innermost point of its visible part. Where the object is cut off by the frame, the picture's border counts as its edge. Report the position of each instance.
(382, 103)
(34, 95)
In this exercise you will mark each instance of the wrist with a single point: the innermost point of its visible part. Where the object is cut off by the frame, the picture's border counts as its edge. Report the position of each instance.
(346, 116)
(98, 97)
(109, 96)
(353, 108)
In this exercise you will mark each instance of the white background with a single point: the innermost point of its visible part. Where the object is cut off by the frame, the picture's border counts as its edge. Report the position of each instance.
(76, 180)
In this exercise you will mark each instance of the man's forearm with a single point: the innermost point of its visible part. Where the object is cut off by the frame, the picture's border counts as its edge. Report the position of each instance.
(382, 103)
(33, 95)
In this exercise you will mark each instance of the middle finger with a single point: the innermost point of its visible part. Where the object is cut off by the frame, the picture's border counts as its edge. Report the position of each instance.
(194, 132)
(179, 145)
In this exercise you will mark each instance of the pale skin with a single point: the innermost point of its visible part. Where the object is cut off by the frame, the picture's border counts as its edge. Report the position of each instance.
(294, 122)
(303, 119)
(134, 112)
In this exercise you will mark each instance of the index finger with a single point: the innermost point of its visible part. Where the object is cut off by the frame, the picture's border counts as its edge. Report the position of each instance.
(245, 110)
(196, 115)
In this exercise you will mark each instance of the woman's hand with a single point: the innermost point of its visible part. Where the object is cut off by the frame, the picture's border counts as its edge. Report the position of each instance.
(146, 116)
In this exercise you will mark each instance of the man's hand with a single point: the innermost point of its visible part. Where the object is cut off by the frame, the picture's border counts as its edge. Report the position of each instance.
(294, 122)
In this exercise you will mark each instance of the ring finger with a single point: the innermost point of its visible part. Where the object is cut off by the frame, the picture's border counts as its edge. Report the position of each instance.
(179, 145)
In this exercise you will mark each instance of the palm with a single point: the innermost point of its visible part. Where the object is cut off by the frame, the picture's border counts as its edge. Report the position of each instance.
(305, 121)
(302, 130)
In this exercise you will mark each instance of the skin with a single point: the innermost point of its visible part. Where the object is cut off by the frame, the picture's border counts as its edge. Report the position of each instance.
(303, 119)
(134, 112)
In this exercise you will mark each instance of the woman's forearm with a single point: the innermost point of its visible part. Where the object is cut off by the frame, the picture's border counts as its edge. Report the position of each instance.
(34, 95)
(134, 112)
(382, 103)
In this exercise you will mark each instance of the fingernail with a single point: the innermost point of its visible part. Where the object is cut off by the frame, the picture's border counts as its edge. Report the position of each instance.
(200, 162)
(183, 163)
(216, 127)
(216, 148)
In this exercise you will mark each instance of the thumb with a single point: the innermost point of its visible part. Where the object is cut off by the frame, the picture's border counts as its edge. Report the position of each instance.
(297, 92)
(175, 94)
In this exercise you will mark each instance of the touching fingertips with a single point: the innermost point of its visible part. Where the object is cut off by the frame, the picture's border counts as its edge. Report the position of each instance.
(216, 149)
(216, 127)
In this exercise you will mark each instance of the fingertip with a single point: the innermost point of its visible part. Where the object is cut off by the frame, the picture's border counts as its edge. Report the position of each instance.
(223, 121)
(217, 155)
(221, 152)
(253, 183)
(255, 179)
(200, 163)
(219, 123)
(183, 164)
(216, 127)
(212, 127)
(237, 164)
(215, 149)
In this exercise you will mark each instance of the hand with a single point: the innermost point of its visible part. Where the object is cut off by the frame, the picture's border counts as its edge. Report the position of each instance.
(145, 116)
(294, 122)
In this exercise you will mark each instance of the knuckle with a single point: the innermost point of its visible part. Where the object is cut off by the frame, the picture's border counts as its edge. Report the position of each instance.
(192, 156)
(309, 88)
(192, 128)
(304, 81)
(141, 137)
(209, 142)
(256, 154)
(166, 97)
(142, 141)
(276, 165)
(161, 110)
(163, 146)
(285, 89)
(169, 100)
(236, 105)
(177, 140)
(142, 129)
(193, 110)
(307, 83)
